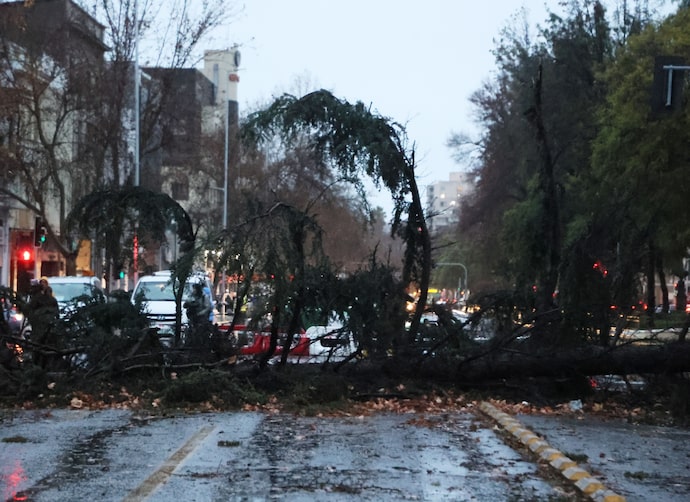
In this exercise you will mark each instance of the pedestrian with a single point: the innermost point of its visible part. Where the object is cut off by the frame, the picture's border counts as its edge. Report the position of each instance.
(198, 308)
(681, 295)
(42, 312)
(207, 294)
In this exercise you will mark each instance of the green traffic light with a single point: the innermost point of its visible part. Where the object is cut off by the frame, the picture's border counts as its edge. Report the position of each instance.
(122, 274)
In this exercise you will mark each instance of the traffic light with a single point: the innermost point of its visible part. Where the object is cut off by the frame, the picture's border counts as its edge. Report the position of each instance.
(25, 255)
(39, 232)
(122, 274)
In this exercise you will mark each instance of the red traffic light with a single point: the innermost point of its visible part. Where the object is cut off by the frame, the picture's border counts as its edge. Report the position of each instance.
(25, 255)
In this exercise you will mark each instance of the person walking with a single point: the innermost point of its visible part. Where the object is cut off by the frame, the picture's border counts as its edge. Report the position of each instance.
(681, 295)
(42, 312)
(198, 308)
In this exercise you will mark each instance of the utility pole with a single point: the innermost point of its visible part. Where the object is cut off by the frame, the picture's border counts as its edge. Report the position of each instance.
(137, 104)
(221, 67)
(457, 264)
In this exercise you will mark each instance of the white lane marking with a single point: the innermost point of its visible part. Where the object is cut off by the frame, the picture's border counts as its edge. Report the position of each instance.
(160, 476)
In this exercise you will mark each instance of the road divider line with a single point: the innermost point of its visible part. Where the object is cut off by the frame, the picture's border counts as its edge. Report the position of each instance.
(583, 480)
(161, 475)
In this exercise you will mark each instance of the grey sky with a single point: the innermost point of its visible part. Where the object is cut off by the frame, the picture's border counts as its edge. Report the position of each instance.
(416, 62)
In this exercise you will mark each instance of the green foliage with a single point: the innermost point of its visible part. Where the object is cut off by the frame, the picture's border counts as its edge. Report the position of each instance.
(520, 233)
(358, 142)
(113, 216)
(639, 160)
(98, 335)
(212, 386)
(586, 301)
(376, 310)
(569, 138)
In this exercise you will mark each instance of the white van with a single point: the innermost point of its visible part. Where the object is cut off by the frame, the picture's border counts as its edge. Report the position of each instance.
(158, 299)
(70, 290)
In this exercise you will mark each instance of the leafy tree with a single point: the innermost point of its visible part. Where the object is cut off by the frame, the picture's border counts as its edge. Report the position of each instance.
(533, 205)
(639, 158)
(112, 214)
(41, 104)
(290, 173)
(357, 142)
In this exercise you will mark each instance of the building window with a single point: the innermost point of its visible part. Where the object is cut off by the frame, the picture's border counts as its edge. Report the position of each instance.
(180, 190)
(216, 82)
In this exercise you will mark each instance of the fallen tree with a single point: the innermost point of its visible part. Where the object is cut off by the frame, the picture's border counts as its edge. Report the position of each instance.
(629, 359)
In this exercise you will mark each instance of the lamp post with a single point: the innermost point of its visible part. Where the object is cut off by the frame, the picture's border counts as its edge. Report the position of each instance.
(137, 83)
(231, 107)
(226, 165)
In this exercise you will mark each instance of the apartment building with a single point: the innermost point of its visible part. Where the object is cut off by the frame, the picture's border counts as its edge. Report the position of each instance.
(444, 200)
(45, 46)
(197, 146)
(184, 150)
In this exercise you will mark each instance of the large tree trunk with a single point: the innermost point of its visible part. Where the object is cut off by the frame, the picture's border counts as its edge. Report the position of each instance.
(547, 277)
(627, 359)
(423, 240)
(662, 284)
(651, 298)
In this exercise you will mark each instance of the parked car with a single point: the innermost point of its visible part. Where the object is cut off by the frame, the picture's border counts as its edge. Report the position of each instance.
(71, 292)
(330, 343)
(255, 343)
(617, 383)
(316, 344)
(18, 323)
(156, 294)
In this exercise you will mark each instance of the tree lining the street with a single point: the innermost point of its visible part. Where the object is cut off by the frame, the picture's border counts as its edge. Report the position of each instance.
(359, 142)
(588, 250)
(565, 123)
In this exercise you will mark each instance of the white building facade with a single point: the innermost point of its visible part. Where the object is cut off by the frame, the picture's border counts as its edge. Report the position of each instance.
(444, 201)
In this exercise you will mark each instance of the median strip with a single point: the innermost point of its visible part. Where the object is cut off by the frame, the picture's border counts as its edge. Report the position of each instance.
(584, 481)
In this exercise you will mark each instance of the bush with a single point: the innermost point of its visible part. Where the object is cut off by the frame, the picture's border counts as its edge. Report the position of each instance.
(215, 386)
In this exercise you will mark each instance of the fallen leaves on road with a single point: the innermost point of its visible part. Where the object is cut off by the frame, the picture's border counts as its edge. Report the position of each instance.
(608, 409)
(393, 399)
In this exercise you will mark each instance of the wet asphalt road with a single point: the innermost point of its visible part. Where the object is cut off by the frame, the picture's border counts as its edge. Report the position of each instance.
(639, 462)
(113, 455)
(120, 456)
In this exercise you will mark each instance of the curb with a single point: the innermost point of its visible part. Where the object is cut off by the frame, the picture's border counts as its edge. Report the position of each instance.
(583, 480)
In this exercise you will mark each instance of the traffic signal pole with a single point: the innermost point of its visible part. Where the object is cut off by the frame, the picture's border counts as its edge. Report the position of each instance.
(39, 239)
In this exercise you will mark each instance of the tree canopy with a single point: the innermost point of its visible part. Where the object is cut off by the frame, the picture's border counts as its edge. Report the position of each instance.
(357, 142)
(579, 184)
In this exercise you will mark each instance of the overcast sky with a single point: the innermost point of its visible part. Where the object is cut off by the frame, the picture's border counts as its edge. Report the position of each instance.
(416, 62)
